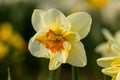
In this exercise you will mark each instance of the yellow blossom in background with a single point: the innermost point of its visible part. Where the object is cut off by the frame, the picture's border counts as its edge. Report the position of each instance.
(98, 3)
(58, 37)
(3, 50)
(88, 5)
(5, 31)
(10, 38)
(111, 66)
(18, 42)
(81, 5)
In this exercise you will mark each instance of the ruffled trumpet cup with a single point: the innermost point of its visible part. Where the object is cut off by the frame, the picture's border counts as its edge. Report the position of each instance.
(58, 37)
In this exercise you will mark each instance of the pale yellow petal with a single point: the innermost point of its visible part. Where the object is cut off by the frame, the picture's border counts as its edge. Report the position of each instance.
(80, 22)
(115, 47)
(55, 18)
(37, 21)
(118, 76)
(37, 49)
(103, 49)
(105, 61)
(107, 34)
(114, 77)
(53, 64)
(67, 45)
(61, 56)
(117, 36)
(77, 55)
(111, 71)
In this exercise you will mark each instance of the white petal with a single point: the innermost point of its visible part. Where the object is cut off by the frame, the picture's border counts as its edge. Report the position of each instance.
(61, 56)
(53, 64)
(77, 55)
(114, 77)
(37, 21)
(117, 36)
(116, 48)
(80, 22)
(111, 71)
(104, 50)
(118, 76)
(107, 34)
(55, 18)
(37, 49)
(67, 45)
(105, 61)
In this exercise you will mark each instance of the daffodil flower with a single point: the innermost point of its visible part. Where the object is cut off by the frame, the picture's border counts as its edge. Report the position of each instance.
(5, 31)
(58, 37)
(3, 50)
(112, 46)
(114, 41)
(111, 63)
(112, 66)
(98, 3)
(18, 42)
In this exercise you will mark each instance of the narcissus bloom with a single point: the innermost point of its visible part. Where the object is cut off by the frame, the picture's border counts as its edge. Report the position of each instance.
(5, 31)
(116, 43)
(58, 37)
(112, 66)
(3, 50)
(112, 46)
(10, 39)
(98, 3)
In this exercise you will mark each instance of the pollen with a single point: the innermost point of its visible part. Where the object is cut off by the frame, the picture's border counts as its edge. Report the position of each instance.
(54, 41)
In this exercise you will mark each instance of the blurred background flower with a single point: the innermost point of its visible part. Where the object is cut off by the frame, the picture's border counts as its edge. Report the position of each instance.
(11, 46)
(15, 16)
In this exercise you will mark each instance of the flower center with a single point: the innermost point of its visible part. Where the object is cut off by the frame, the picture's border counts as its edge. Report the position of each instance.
(54, 41)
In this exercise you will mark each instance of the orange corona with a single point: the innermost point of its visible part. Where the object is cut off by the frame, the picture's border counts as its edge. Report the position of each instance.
(53, 41)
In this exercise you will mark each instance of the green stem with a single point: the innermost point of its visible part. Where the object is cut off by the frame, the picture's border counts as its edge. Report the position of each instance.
(57, 74)
(9, 77)
(74, 73)
(51, 76)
